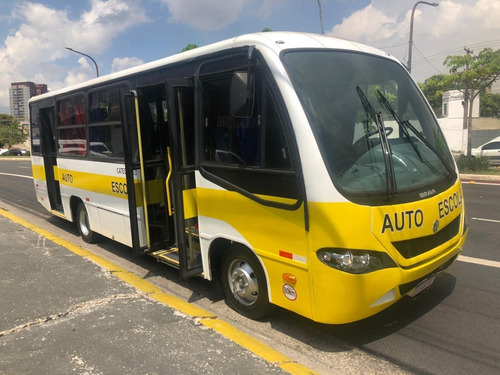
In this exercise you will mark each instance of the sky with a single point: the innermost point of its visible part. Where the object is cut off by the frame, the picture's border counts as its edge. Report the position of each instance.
(123, 33)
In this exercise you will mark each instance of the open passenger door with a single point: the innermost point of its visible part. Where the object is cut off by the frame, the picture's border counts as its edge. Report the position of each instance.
(181, 110)
(148, 171)
(160, 169)
(49, 152)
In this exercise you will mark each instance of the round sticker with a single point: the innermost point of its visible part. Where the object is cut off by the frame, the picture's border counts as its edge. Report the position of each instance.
(289, 292)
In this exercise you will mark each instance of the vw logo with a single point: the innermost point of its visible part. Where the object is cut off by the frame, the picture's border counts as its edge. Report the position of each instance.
(435, 226)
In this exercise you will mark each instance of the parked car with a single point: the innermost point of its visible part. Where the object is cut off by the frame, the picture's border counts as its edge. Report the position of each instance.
(491, 149)
(3, 151)
(14, 152)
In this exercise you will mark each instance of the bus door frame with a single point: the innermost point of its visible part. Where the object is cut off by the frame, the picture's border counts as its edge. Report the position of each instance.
(183, 181)
(132, 142)
(49, 153)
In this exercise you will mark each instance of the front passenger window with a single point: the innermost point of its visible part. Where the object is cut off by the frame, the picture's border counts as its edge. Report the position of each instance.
(256, 141)
(250, 155)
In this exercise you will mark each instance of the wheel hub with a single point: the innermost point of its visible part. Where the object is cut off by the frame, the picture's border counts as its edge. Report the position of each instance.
(243, 282)
(84, 225)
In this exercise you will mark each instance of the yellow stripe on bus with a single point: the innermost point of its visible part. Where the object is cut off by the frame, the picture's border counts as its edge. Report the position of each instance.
(97, 183)
(111, 185)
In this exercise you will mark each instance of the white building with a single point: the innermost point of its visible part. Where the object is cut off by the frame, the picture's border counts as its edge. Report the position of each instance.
(452, 122)
(495, 87)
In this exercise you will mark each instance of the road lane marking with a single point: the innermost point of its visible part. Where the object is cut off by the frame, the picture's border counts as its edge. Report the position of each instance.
(488, 220)
(198, 314)
(482, 262)
(16, 175)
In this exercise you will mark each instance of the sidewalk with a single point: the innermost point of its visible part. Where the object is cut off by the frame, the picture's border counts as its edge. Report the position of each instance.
(62, 313)
(480, 177)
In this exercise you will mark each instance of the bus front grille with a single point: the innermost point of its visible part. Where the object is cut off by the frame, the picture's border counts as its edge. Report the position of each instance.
(416, 246)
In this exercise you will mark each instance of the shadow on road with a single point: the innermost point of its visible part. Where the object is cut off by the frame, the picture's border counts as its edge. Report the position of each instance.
(323, 337)
(336, 338)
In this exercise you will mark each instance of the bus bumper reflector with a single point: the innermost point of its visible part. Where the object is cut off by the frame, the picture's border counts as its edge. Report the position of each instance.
(388, 297)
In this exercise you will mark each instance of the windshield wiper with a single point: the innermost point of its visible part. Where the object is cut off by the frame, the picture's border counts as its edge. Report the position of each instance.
(391, 189)
(404, 125)
(385, 103)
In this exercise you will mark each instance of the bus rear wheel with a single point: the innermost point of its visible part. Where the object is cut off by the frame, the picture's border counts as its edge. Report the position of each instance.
(82, 223)
(244, 283)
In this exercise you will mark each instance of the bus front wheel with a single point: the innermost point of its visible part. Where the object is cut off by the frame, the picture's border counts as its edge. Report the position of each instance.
(82, 222)
(244, 283)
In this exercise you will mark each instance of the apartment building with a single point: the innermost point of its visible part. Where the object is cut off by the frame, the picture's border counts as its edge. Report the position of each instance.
(20, 93)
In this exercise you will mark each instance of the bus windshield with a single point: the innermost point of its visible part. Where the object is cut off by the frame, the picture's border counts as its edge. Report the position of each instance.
(377, 135)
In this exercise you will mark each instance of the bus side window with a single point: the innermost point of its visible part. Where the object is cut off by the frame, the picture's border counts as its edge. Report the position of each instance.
(255, 141)
(35, 131)
(276, 146)
(72, 126)
(250, 155)
(105, 128)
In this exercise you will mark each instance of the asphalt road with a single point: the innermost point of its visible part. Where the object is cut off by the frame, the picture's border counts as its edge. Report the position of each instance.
(62, 313)
(453, 328)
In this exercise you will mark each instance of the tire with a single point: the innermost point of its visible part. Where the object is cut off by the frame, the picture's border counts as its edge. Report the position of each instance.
(244, 283)
(82, 223)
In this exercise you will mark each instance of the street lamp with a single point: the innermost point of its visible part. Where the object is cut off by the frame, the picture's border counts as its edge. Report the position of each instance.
(321, 17)
(81, 53)
(410, 41)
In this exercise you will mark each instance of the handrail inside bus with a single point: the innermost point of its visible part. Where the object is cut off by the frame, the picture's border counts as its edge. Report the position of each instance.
(141, 160)
(167, 182)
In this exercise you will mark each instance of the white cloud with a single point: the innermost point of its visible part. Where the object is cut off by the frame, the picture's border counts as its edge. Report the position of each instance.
(205, 14)
(365, 25)
(125, 63)
(83, 72)
(438, 31)
(43, 32)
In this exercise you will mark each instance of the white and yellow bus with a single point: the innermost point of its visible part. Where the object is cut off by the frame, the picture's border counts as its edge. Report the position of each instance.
(302, 170)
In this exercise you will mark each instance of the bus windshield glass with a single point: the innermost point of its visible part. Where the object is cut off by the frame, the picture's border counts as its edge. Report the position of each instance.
(376, 133)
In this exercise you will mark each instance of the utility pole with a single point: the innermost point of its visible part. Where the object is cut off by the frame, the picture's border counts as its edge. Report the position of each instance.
(467, 119)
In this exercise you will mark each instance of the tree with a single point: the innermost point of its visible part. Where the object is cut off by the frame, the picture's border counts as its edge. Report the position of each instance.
(189, 47)
(11, 132)
(489, 106)
(471, 74)
(433, 89)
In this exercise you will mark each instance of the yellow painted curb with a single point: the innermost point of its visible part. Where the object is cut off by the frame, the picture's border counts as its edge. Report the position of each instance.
(50, 236)
(245, 340)
(181, 305)
(265, 352)
(206, 318)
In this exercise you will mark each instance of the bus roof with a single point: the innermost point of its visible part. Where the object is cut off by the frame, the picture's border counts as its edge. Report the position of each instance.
(274, 41)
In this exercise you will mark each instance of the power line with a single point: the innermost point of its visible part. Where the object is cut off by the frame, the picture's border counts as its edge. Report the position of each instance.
(393, 46)
(439, 71)
(442, 55)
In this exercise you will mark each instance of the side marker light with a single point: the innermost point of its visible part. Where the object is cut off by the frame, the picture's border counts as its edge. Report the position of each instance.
(289, 278)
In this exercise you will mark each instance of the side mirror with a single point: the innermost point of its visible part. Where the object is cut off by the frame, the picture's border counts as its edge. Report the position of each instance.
(242, 94)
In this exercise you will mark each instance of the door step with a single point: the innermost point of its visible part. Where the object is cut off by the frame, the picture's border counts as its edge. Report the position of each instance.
(170, 256)
(58, 212)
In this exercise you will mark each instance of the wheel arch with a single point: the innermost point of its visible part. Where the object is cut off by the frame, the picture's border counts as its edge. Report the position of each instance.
(73, 204)
(216, 253)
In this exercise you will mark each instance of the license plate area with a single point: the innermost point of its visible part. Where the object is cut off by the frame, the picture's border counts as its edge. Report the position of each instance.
(423, 285)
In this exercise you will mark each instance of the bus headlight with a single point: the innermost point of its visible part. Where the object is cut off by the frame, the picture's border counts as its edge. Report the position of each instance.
(355, 261)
